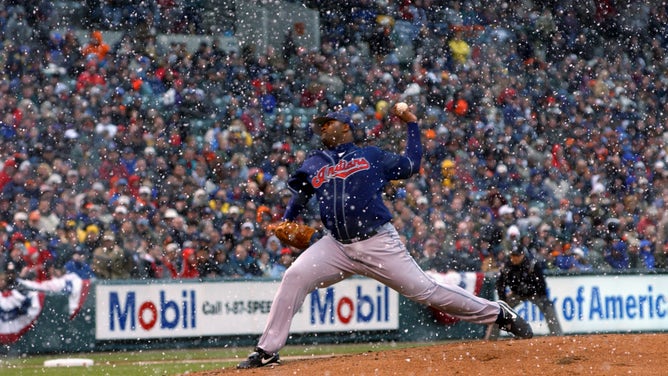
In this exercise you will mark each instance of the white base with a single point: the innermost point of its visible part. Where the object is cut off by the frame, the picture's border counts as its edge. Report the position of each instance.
(68, 362)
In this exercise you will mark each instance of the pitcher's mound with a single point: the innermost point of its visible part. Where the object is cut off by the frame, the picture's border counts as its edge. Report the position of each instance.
(603, 354)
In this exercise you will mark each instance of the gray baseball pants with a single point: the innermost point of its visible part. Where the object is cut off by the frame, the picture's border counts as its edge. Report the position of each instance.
(382, 257)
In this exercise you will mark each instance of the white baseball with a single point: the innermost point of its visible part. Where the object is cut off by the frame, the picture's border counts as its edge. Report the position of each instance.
(400, 107)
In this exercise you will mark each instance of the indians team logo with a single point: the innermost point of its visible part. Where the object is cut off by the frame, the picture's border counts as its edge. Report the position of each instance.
(341, 170)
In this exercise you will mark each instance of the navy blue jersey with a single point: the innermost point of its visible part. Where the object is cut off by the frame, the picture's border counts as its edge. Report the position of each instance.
(349, 181)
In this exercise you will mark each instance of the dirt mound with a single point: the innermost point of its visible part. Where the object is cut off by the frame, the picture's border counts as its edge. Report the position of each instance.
(604, 354)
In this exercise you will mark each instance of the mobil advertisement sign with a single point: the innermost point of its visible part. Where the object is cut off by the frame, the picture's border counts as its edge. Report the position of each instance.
(147, 311)
(195, 309)
(612, 303)
(356, 304)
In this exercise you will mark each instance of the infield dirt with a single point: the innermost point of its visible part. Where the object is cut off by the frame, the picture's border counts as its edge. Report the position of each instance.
(604, 354)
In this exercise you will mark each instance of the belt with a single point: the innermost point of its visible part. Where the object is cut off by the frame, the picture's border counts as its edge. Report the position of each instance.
(360, 238)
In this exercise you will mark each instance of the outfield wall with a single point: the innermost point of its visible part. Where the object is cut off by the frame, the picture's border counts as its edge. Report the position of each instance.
(115, 315)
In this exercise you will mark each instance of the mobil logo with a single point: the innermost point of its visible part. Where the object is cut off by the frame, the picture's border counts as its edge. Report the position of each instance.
(362, 307)
(163, 311)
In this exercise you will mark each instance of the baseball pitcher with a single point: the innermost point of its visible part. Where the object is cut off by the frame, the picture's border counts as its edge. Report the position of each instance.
(348, 182)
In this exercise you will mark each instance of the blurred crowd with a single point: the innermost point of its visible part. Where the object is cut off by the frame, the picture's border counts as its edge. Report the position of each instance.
(544, 127)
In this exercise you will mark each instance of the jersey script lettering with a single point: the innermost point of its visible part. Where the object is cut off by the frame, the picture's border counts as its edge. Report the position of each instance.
(341, 170)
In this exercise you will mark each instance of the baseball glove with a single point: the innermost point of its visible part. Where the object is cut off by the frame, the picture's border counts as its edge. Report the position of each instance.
(294, 234)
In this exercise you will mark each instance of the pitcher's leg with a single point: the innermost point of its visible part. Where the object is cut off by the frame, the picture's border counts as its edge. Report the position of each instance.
(493, 330)
(385, 258)
(455, 301)
(318, 266)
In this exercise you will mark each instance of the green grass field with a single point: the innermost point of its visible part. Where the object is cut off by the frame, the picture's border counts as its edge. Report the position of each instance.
(170, 361)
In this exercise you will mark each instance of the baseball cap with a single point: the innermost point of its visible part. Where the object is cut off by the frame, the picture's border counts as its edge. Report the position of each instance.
(273, 240)
(172, 247)
(506, 209)
(34, 215)
(124, 200)
(11, 162)
(92, 229)
(54, 179)
(341, 116)
(248, 225)
(401, 193)
(71, 134)
(513, 230)
(286, 251)
(171, 213)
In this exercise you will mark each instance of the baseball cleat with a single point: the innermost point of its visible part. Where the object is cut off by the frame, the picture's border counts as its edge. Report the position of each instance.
(259, 358)
(511, 322)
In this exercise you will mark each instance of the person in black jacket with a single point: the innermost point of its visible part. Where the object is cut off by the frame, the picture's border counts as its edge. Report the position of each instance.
(521, 279)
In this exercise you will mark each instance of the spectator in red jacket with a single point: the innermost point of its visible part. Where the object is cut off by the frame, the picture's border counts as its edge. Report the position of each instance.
(189, 268)
(7, 172)
(90, 78)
